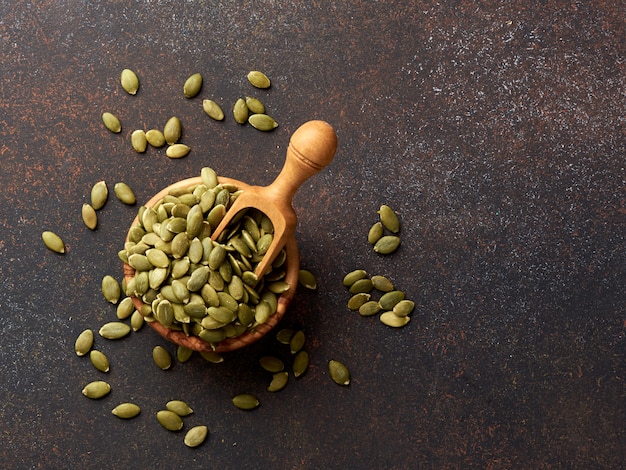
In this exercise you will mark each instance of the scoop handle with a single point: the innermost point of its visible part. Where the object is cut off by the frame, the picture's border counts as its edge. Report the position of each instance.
(311, 148)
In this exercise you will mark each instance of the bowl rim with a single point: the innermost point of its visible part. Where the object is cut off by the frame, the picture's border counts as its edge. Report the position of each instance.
(228, 344)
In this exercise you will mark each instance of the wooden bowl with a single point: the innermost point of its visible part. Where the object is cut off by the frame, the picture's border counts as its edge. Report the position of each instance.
(292, 267)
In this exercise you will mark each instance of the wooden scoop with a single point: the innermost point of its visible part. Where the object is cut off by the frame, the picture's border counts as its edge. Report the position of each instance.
(311, 148)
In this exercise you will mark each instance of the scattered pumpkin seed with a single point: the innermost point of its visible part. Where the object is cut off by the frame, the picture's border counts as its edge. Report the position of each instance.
(137, 320)
(213, 110)
(99, 360)
(339, 372)
(254, 105)
(258, 79)
(403, 308)
(382, 284)
(271, 364)
(262, 122)
(354, 276)
(389, 218)
(129, 81)
(179, 407)
(99, 195)
(89, 216)
(387, 244)
(192, 85)
(300, 363)
(391, 319)
(162, 358)
(155, 138)
(297, 341)
(196, 436)
(84, 342)
(375, 233)
(126, 410)
(183, 354)
(284, 335)
(240, 111)
(212, 357)
(96, 389)
(177, 151)
(390, 299)
(139, 141)
(111, 289)
(369, 308)
(53, 241)
(124, 193)
(111, 122)
(355, 302)
(361, 286)
(245, 401)
(307, 279)
(114, 330)
(170, 420)
(173, 130)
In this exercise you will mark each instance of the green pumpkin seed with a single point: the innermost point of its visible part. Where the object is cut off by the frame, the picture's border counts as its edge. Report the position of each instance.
(369, 308)
(279, 381)
(212, 357)
(354, 276)
(375, 233)
(53, 241)
(258, 79)
(254, 105)
(382, 284)
(361, 286)
(240, 111)
(355, 302)
(390, 299)
(84, 342)
(96, 389)
(136, 320)
(183, 354)
(262, 122)
(393, 320)
(170, 420)
(213, 110)
(177, 151)
(111, 122)
(300, 363)
(307, 279)
(129, 81)
(139, 141)
(90, 218)
(114, 330)
(124, 193)
(284, 335)
(161, 357)
(192, 85)
(403, 308)
(172, 130)
(157, 258)
(271, 363)
(297, 341)
(208, 177)
(387, 244)
(126, 410)
(196, 436)
(99, 195)
(389, 218)
(179, 407)
(339, 372)
(245, 401)
(155, 138)
(99, 360)
(111, 289)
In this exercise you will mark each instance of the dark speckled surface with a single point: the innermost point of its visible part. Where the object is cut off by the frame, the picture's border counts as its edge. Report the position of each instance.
(496, 131)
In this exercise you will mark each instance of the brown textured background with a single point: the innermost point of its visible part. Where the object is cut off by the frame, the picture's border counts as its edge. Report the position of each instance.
(495, 129)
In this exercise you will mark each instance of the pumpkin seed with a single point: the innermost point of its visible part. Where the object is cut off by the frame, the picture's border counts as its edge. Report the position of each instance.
(369, 308)
(300, 363)
(208, 177)
(183, 354)
(84, 342)
(382, 284)
(212, 357)
(114, 330)
(339, 372)
(179, 407)
(271, 363)
(357, 300)
(99, 195)
(99, 360)
(111, 289)
(111, 122)
(262, 122)
(354, 276)
(161, 357)
(375, 233)
(258, 79)
(126, 410)
(155, 138)
(129, 81)
(139, 141)
(254, 105)
(387, 244)
(245, 401)
(169, 420)
(196, 436)
(177, 151)
(124, 193)
(390, 299)
(279, 381)
(136, 320)
(53, 241)
(172, 130)
(403, 308)
(90, 218)
(393, 320)
(240, 111)
(96, 389)
(389, 218)
(213, 110)
(361, 286)
(297, 341)
(192, 85)
(307, 279)
(284, 335)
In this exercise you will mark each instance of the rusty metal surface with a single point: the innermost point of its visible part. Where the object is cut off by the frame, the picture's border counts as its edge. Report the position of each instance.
(495, 130)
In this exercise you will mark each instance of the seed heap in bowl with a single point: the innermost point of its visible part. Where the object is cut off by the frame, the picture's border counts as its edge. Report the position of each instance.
(189, 283)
